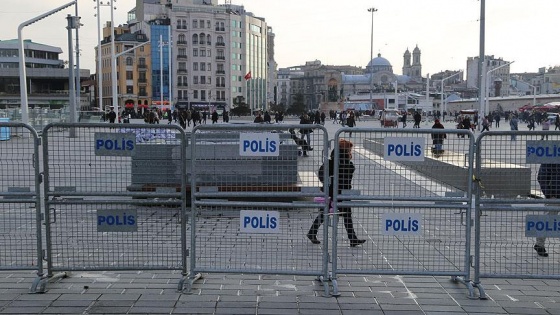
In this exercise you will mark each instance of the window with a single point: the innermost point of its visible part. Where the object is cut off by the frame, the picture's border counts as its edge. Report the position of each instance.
(202, 38)
(209, 53)
(195, 24)
(182, 39)
(195, 80)
(209, 66)
(129, 89)
(202, 66)
(202, 79)
(203, 95)
(182, 52)
(208, 24)
(129, 75)
(195, 66)
(195, 94)
(195, 52)
(208, 39)
(202, 53)
(142, 62)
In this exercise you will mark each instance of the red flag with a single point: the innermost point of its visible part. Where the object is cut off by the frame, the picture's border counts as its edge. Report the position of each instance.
(248, 75)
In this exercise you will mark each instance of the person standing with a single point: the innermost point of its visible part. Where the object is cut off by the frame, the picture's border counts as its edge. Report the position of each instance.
(214, 117)
(112, 116)
(497, 120)
(485, 124)
(549, 180)
(545, 128)
(404, 117)
(345, 173)
(351, 121)
(437, 138)
(417, 119)
(305, 132)
(513, 124)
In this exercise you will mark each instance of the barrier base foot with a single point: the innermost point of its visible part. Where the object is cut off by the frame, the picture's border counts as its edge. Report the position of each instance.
(191, 279)
(482, 294)
(335, 287)
(468, 284)
(39, 285)
(325, 284)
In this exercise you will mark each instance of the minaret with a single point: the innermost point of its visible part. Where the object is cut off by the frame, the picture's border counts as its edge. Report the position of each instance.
(416, 68)
(406, 66)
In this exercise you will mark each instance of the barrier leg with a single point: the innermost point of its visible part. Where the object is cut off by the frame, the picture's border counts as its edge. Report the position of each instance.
(191, 279)
(482, 294)
(468, 284)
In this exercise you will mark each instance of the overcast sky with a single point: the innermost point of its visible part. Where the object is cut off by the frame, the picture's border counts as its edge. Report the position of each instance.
(339, 32)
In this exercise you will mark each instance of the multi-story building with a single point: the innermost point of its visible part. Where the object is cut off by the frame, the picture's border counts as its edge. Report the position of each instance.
(499, 79)
(134, 55)
(47, 78)
(219, 52)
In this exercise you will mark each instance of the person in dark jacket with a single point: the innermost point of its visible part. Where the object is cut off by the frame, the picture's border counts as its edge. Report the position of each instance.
(345, 173)
(549, 180)
(437, 138)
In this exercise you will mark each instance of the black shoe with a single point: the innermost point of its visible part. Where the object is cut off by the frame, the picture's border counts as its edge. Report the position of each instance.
(541, 251)
(356, 242)
(313, 238)
(310, 149)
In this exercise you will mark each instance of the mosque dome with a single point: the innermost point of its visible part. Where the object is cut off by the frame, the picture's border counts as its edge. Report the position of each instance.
(379, 62)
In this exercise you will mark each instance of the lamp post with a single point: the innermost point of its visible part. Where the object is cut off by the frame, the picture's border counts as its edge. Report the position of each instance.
(534, 94)
(443, 103)
(99, 59)
(372, 10)
(114, 84)
(22, 69)
(486, 88)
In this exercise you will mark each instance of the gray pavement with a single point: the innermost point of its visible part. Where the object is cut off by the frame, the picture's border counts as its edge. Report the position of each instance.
(155, 292)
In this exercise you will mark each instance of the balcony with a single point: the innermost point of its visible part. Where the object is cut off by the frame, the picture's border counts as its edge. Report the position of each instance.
(195, 42)
(220, 29)
(142, 94)
(222, 72)
(142, 66)
(182, 57)
(180, 84)
(220, 58)
(182, 71)
(221, 85)
(142, 81)
(220, 44)
(181, 42)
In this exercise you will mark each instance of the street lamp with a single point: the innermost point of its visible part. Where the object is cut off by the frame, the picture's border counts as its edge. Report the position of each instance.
(534, 93)
(486, 88)
(372, 10)
(443, 104)
(22, 69)
(99, 59)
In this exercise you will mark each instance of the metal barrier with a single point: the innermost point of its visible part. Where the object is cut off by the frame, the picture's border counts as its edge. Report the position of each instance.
(510, 209)
(252, 189)
(115, 197)
(410, 201)
(20, 204)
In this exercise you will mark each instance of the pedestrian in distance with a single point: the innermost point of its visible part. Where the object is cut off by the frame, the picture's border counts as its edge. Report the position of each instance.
(437, 138)
(346, 170)
(112, 116)
(485, 124)
(513, 124)
(417, 119)
(549, 180)
(351, 121)
(545, 128)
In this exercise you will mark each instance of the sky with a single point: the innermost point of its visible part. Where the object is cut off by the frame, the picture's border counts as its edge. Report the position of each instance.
(339, 32)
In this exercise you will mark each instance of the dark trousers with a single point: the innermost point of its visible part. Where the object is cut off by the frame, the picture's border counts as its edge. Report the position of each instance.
(346, 214)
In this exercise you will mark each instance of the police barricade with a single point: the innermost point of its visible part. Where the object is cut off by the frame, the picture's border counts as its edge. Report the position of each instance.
(517, 203)
(405, 204)
(115, 197)
(255, 193)
(20, 204)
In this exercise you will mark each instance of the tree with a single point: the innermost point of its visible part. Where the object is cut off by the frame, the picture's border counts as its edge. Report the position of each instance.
(276, 108)
(240, 108)
(298, 106)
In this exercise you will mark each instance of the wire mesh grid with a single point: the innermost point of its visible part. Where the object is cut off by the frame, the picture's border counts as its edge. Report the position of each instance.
(77, 244)
(227, 181)
(508, 167)
(428, 184)
(18, 198)
(115, 197)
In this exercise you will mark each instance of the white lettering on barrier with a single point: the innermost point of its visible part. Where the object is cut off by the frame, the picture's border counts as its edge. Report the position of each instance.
(409, 224)
(114, 144)
(259, 222)
(404, 148)
(259, 144)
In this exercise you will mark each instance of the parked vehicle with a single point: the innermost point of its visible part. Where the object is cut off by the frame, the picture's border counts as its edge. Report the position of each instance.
(390, 118)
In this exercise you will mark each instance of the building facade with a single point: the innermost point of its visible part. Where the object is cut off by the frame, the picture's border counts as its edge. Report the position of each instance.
(47, 79)
(219, 53)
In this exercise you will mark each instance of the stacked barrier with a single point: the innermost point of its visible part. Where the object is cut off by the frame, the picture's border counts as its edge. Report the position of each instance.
(510, 208)
(20, 227)
(410, 201)
(115, 197)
